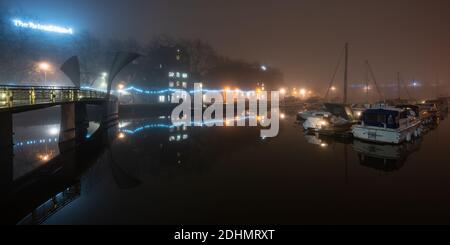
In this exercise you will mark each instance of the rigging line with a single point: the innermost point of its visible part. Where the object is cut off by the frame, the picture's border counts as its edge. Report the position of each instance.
(335, 73)
(375, 81)
(406, 88)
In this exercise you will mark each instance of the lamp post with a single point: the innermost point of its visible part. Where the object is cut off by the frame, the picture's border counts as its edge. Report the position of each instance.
(44, 66)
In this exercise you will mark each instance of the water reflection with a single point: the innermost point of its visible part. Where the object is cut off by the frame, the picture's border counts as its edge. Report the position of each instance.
(153, 172)
(383, 157)
(386, 158)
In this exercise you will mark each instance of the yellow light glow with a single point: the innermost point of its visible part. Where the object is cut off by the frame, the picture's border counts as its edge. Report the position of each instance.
(282, 116)
(323, 123)
(282, 91)
(44, 66)
(120, 86)
(44, 157)
(302, 91)
(323, 145)
(121, 135)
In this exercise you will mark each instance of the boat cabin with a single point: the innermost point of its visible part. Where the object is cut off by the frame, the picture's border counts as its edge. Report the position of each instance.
(386, 118)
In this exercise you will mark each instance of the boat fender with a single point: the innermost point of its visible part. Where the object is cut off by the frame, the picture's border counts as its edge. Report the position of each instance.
(408, 137)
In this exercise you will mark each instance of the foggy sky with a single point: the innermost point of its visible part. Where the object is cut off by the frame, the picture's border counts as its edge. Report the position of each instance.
(303, 38)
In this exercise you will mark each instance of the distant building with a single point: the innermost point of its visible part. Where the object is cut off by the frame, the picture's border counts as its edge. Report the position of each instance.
(170, 71)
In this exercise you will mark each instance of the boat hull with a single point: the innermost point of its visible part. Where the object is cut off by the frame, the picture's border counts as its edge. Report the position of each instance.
(386, 135)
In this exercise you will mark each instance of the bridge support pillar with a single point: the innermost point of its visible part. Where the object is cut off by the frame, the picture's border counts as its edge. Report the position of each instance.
(81, 122)
(111, 113)
(74, 125)
(67, 128)
(6, 150)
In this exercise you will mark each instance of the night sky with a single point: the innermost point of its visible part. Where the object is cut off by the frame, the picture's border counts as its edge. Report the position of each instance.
(303, 38)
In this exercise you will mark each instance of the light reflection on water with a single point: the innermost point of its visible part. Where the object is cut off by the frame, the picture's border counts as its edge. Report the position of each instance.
(157, 173)
(36, 141)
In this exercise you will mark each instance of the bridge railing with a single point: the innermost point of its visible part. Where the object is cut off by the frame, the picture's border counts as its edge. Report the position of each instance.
(11, 96)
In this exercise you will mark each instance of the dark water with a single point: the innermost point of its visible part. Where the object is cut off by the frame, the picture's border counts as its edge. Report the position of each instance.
(153, 173)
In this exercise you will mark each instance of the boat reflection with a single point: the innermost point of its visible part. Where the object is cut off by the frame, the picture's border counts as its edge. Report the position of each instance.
(386, 157)
(383, 157)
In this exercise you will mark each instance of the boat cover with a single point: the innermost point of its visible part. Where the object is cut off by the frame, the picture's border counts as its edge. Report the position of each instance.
(380, 117)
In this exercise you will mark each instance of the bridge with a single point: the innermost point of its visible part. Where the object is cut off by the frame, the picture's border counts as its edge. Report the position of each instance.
(17, 99)
(74, 122)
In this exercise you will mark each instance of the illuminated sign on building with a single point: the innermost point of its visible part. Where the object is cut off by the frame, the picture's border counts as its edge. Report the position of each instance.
(42, 27)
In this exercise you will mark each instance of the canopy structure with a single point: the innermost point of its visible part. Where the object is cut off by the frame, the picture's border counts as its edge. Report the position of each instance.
(381, 118)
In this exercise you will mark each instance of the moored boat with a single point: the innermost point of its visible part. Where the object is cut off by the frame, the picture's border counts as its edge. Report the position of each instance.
(388, 125)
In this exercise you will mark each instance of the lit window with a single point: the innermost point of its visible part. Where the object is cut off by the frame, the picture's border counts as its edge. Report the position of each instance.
(178, 84)
(178, 74)
(185, 75)
(171, 74)
(184, 84)
(162, 98)
(170, 84)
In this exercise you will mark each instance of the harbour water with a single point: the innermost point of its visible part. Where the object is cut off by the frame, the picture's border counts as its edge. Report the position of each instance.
(154, 173)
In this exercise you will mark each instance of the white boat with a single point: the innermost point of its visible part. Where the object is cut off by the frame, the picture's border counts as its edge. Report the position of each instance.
(304, 115)
(336, 120)
(387, 125)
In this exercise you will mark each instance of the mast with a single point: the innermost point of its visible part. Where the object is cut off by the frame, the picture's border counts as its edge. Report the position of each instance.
(346, 73)
(398, 85)
(366, 88)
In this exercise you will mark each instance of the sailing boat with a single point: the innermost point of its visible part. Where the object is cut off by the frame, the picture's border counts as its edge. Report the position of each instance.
(336, 119)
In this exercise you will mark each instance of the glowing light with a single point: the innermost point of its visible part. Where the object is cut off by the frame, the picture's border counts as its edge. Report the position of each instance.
(42, 27)
(264, 68)
(103, 84)
(44, 157)
(323, 123)
(282, 116)
(282, 91)
(333, 88)
(358, 113)
(121, 135)
(120, 86)
(302, 92)
(44, 66)
(323, 145)
(53, 131)
(104, 74)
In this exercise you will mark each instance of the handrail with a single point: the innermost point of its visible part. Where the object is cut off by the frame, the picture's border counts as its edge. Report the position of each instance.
(11, 96)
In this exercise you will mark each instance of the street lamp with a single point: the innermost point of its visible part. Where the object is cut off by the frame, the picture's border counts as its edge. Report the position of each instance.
(44, 66)
(263, 68)
(302, 92)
